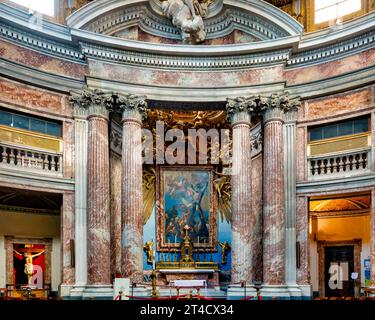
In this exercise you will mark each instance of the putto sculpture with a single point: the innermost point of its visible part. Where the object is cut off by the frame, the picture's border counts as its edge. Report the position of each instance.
(187, 16)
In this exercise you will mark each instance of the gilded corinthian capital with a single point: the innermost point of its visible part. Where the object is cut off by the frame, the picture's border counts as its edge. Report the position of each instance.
(93, 102)
(132, 107)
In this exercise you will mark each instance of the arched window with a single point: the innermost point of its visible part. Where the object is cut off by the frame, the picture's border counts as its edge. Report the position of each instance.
(327, 10)
(43, 6)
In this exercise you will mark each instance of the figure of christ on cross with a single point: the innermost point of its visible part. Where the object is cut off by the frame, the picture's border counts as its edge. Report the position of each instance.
(29, 254)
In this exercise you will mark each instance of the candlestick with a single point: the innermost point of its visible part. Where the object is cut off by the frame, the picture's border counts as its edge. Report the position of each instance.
(204, 251)
(168, 248)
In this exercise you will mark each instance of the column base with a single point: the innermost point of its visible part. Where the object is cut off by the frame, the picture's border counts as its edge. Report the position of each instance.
(141, 292)
(275, 292)
(77, 291)
(98, 292)
(295, 292)
(64, 290)
(236, 292)
(306, 291)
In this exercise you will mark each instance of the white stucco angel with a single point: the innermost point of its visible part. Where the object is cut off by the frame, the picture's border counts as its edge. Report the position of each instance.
(187, 16)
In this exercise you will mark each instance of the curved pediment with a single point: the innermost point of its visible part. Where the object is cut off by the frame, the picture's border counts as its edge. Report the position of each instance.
(225, 22)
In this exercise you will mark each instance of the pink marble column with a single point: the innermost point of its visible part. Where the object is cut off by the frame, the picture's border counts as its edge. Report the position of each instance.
(273, 199)
(67, 234)
(303, 237)
(243, 220)
(98, 210)
(98, 202)
(132, 202)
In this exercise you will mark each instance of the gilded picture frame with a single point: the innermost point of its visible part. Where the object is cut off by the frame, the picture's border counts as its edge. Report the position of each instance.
(185, 196)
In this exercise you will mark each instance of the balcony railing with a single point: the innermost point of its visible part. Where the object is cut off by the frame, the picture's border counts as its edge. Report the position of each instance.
(340, 164)
(30, 159)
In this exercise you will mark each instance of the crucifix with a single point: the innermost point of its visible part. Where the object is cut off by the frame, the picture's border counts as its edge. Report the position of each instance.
(29, 254)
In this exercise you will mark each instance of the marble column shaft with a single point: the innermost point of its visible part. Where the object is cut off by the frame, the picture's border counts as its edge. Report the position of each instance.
(67, 234)
(98, 202)
(132, 200)
(303, 237)
(243, 221)
(273, 200)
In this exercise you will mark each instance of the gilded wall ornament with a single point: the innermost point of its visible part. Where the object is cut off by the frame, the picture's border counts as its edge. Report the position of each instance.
(149, 249)
(224, 250)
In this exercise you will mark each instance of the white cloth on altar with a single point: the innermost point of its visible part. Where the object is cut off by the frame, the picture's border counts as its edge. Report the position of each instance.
(189, 283)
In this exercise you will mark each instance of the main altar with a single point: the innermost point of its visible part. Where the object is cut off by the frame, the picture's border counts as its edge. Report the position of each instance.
(187, 263)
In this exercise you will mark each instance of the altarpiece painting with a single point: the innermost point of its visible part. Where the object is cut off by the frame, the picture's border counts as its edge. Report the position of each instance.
(186, 197)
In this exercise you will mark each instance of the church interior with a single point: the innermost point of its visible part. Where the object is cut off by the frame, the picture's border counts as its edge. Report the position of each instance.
(187, 149)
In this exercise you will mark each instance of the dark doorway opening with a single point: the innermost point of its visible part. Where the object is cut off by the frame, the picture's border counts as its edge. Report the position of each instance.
(339, 266)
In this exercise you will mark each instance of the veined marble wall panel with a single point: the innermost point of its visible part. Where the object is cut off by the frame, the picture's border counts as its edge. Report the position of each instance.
(257, 168)
(115, 180)
(34, 99)
(301, 150)
(338, 104)
(41, 61)
(330, 69)
(68, 145)
(206, 79)
(135, 33)
(331, 108)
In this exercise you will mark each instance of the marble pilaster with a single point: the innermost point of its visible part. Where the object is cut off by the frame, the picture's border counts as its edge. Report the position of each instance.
(239, 112)
(116, 167)
(290, 172)
(67, 234)
(303, 237)
(133, 111)
(80, 177)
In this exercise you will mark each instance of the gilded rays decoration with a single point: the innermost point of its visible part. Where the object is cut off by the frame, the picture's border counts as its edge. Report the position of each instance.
(184, 121)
